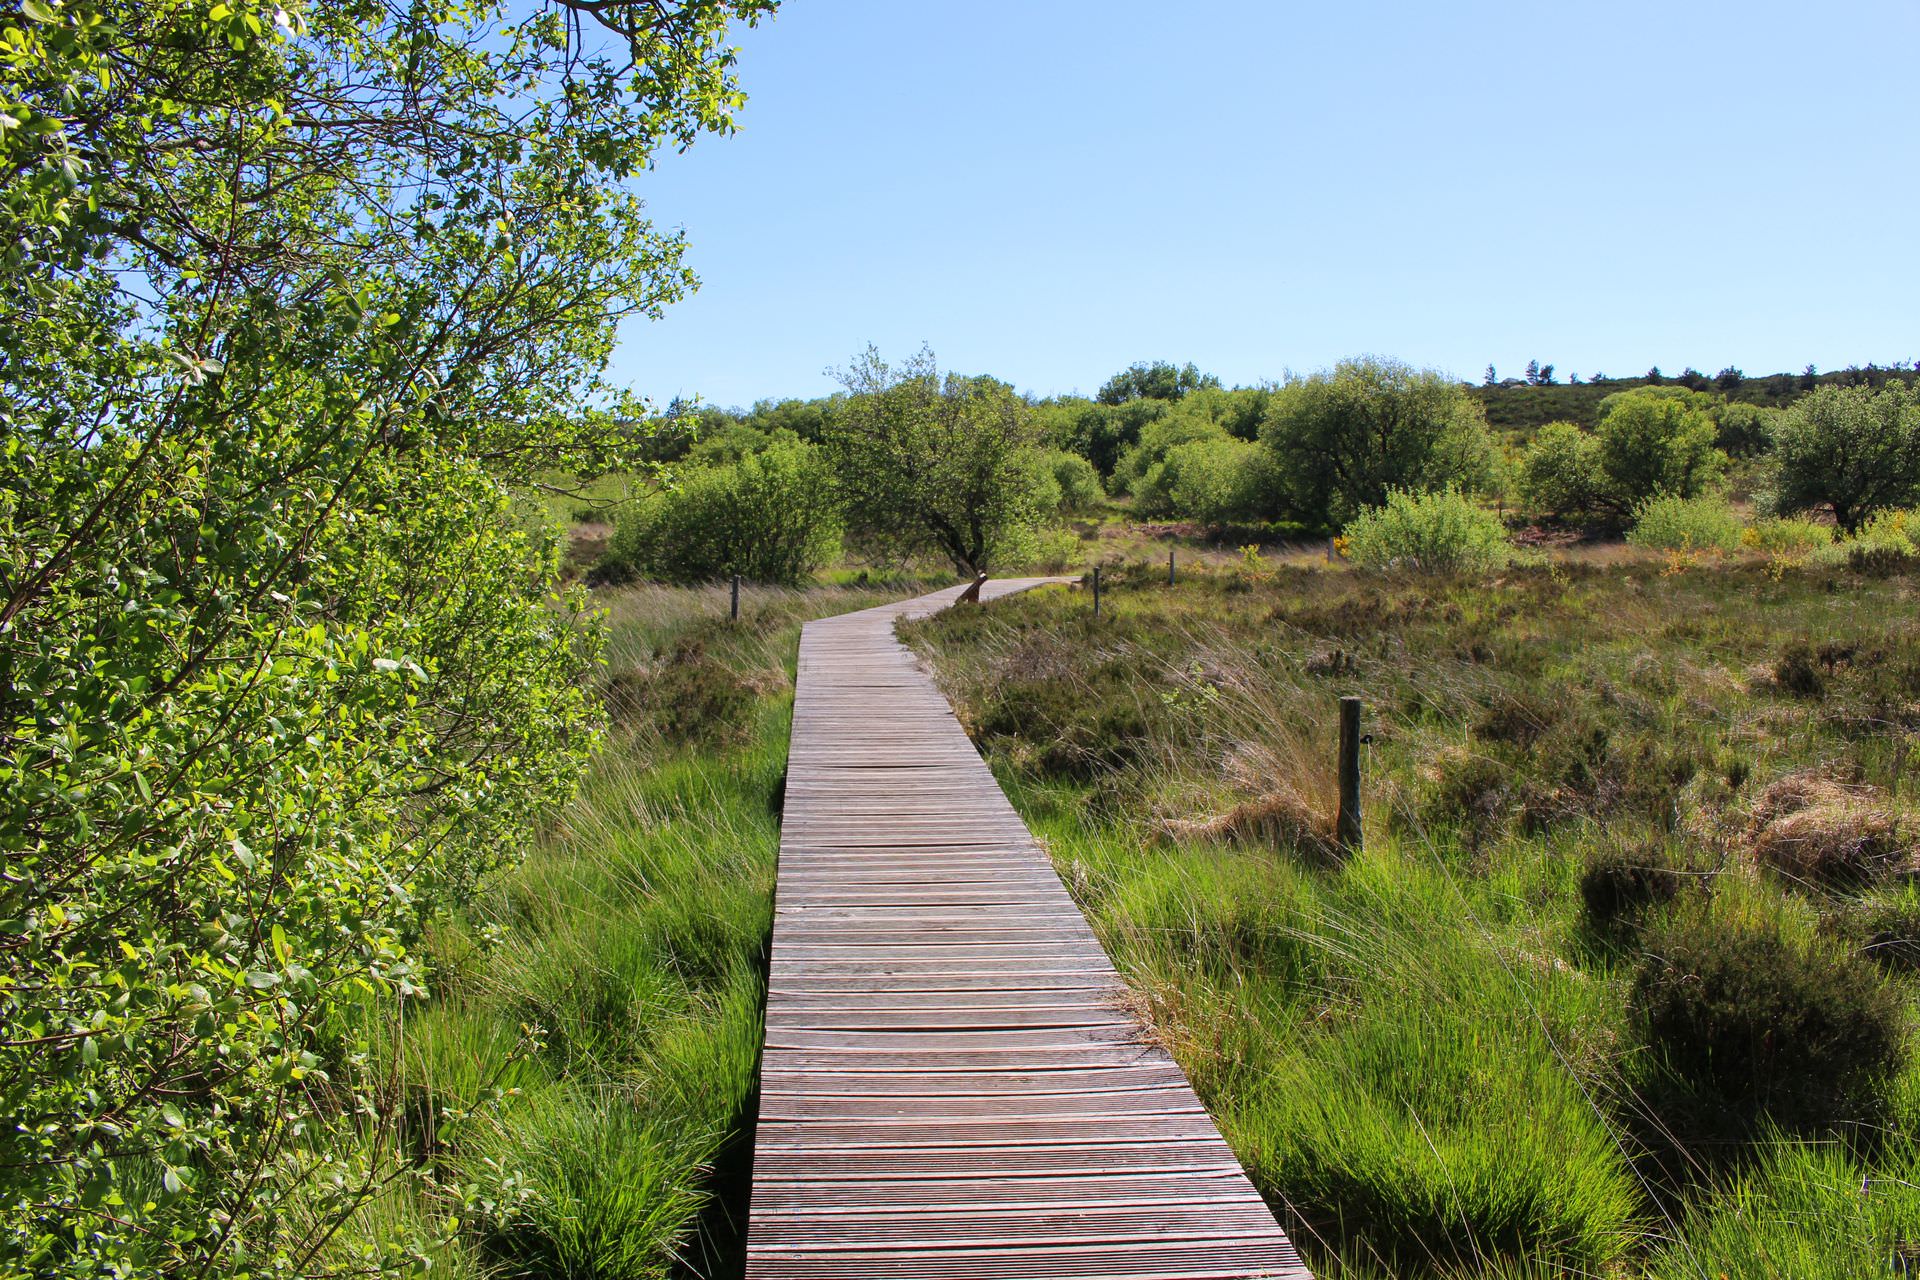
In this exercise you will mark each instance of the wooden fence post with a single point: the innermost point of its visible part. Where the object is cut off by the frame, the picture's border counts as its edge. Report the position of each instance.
(1096, 591)
(734, 612)
(1347, 826)
(1169, 566)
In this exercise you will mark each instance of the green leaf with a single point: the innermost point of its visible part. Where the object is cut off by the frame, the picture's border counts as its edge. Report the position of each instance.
(38, 11)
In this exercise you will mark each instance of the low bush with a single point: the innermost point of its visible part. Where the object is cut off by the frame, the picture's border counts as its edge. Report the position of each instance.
(1620, 884)
(1214, 482)
(1671, 523)
(1069, 728)
(771, 517)
(1761, 1024)
(687, 698)
(1079, 483)
(1895, 531)
(1560, 472)
(1443, 532)
(1782, 536)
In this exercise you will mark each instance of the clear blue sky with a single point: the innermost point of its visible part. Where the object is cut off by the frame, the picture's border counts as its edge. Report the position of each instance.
(1048, 191)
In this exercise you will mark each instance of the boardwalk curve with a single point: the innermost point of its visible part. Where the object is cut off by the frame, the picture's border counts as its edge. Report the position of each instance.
(951, 1084)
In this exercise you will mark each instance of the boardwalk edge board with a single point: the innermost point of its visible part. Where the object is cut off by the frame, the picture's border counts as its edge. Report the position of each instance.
(953, 1082)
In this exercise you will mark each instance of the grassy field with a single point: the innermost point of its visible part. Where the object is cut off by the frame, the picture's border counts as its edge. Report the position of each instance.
(1621, 983)
(589, 1054)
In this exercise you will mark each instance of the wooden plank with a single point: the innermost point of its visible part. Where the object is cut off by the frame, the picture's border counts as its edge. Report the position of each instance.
(953, 1082)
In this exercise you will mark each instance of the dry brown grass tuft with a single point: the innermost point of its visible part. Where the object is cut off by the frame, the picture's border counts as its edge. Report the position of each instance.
(1277, 818)
(1810, 827)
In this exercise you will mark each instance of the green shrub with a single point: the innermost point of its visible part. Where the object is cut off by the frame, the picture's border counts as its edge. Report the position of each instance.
(1760, 1023)
(1560, 473)
(1213, 482)
(1444, 532)
(1742, 430)
(1887, 929)
(771, 517)
(1079, 483)
(1673, 523)
(1896, 532)
(1157, 440)
(1782, 536)
(1657, 442)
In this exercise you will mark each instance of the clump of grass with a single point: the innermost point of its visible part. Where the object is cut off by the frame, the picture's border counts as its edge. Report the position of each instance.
(1810, 1210)
(1815, 831)
(1427, 1119)
(1276, 819)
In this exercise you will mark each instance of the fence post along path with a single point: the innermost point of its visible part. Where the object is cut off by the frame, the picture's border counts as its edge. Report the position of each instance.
(952, 1085)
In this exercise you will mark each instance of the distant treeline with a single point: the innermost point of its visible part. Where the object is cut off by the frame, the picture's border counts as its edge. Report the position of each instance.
(910, 460)
(1101, 427)
(1523, 403)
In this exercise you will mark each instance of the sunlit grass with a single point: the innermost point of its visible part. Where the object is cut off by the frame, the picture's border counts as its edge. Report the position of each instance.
(1427, 1054)
(589, 1058)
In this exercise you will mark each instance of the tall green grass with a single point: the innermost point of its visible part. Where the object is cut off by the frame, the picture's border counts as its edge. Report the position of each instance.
(585, 1066)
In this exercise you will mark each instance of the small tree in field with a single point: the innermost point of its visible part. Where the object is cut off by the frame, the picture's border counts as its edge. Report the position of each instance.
(1653, 443)
(936, 463)
(1560, 472)
(1850, 448)
(1341, 440)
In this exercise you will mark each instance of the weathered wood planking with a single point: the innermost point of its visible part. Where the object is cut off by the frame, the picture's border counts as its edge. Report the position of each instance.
(952, 1084)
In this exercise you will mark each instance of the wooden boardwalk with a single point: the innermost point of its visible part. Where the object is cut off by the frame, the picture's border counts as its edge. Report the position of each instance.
(952, 1086)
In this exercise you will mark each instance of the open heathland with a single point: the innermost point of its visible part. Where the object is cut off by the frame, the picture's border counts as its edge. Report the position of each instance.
(1619, 984)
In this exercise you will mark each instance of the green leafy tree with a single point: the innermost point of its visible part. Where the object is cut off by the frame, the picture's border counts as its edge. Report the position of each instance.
(1560, 472)
(933, 463)
(771, 516)
(1097, 432)
(1156, 381)
(1079, 483)
(1341, 440)
(1215, 480)
(1656, 442)
(1849, 448)
(1743, 430)
(1156, 441)
(297, 295)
